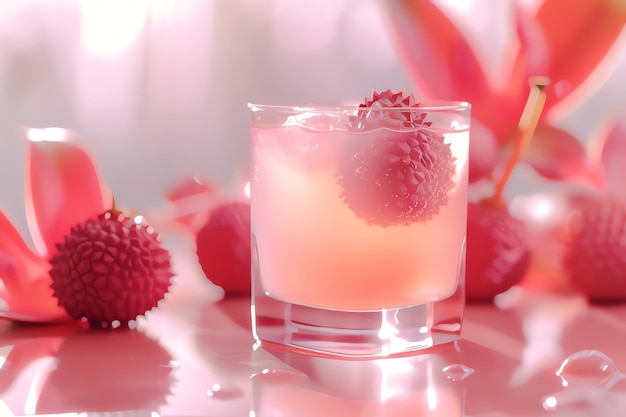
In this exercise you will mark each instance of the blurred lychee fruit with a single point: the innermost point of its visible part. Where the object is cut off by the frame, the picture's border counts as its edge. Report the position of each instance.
(110, 269)
(223, 247)
(595, 254)
(484, 152)
(498, 253)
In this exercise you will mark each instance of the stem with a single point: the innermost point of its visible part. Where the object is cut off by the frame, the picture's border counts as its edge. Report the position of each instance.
(525, 130)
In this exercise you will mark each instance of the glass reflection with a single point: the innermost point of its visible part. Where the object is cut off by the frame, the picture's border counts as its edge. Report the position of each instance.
(382, 387)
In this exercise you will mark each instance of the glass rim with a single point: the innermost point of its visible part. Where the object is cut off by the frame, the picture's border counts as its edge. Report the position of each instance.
(424, 106)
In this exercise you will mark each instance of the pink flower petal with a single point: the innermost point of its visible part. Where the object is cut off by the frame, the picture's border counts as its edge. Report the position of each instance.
(578, 35)
(189, 187)
(533, 54)
(557, 155)
(613, 158)
(190, 201)
(484, 152)
(441, 62)
(18, 263)
(440, 59)
(63, 186)
(25, 292)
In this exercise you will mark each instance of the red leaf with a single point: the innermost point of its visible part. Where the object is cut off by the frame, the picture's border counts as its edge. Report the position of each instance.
(578, 35)
(25, 284)
(613, 157)
(63, 186)
(557, 155)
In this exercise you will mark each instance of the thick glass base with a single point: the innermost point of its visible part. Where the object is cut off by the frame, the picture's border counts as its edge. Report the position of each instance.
(383, 333)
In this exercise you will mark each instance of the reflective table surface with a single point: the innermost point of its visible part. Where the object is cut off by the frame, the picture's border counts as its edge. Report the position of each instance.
(528, 354)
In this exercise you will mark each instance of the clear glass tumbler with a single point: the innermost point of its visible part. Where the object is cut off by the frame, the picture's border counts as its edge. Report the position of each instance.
(358, 220)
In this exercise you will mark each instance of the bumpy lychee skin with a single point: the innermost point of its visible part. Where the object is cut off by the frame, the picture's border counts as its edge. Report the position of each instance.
(223, 247)
(595, 255)
(399, 177)
(110, 269)
(387, 108)
(498, 253)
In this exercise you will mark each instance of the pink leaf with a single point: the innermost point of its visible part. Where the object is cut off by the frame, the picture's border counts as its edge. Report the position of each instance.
(613, 157)
(25, 284)
(557, 155)
(63, 186)
(578, 35)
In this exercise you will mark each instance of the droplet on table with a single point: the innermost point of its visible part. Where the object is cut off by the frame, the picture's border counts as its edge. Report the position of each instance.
(223, 392)
(457, 372)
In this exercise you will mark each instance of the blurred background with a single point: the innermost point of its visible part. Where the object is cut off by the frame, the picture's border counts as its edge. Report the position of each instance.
(159, 88)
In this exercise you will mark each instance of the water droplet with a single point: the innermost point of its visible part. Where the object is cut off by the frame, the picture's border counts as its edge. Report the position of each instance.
(172, 364)
(571, 396)
(550, 402)
(589, 367)
(586, 376)
(457, 372)
(279, 376)
(223, 392)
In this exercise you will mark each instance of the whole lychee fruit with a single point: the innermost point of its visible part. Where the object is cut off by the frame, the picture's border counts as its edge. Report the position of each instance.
(498, 253)
(110, 269)
(595, 254)
(399, 177)
(223, 247)
(484, 152)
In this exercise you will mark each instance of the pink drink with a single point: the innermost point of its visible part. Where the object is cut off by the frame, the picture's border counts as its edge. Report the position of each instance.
(358, 219)
(315, 251)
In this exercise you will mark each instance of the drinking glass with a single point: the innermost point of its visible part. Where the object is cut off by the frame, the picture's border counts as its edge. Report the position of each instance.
(358, 226)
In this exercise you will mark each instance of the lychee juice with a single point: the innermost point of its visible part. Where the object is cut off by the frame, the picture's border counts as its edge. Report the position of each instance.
(313, 246)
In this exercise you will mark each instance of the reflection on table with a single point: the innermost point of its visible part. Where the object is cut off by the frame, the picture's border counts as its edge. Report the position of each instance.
(195, 356)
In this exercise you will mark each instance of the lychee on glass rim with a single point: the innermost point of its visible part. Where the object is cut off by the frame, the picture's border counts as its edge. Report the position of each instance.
(358, 221)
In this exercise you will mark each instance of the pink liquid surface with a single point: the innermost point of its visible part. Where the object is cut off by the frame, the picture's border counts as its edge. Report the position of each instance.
(313, 249)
